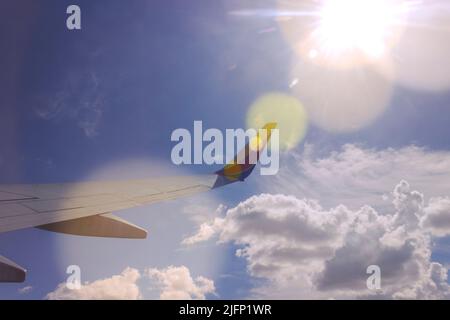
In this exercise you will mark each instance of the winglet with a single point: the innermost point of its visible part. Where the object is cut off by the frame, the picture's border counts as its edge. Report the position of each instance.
(235, 171)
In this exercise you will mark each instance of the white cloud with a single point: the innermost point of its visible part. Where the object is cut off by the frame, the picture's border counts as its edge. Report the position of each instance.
(171, 283)
(437, 217)
(123, 286)
(356, 176)
(177, 283)
(205, 232)
(305, 251)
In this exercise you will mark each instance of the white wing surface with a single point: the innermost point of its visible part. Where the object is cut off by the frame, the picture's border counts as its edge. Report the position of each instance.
(25, 206)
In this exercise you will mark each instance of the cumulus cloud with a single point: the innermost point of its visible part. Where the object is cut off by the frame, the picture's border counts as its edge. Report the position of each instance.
(123, 286)
(437, 216)
(176, 283)
(205, 232)
(171, 283)
(305, 251)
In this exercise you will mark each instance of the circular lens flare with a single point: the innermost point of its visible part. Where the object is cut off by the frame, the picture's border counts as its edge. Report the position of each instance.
(286, 111)
(341, 100)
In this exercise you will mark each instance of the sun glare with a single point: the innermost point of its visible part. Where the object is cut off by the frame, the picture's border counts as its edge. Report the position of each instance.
(354, 24)
(345, 33)
(364, 27)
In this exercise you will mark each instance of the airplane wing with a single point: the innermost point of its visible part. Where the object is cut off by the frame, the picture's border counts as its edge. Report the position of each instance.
(85, 208)
(24, 206)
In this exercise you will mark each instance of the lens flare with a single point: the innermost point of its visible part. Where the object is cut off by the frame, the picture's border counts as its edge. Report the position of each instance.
(341, 100)
(167, 221)
(284, 109)
(420, 58)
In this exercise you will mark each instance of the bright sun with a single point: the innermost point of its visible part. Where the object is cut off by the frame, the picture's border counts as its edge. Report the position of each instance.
(356, 27)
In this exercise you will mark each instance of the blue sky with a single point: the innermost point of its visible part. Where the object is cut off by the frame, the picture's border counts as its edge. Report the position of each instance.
(76, 101)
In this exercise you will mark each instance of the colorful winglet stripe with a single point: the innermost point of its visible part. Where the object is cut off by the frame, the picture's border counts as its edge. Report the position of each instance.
(234, 171)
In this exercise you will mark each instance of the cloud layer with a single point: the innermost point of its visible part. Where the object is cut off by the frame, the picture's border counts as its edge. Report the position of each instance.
(356, 176)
